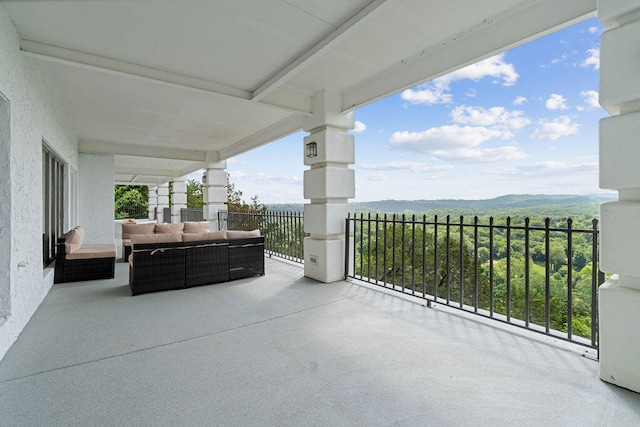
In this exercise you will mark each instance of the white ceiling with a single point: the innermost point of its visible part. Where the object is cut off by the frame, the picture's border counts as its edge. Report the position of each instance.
(166, 85)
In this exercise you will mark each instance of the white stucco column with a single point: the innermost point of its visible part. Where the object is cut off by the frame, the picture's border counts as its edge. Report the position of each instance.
(178, 198)
(214, 192)
(619, 297)
(163, 200)
(153, 200)
(95, 196)
(329, 150)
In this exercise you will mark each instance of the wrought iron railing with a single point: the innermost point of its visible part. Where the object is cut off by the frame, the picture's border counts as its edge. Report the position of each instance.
(283, 231)
(135, 210)
(541, 277)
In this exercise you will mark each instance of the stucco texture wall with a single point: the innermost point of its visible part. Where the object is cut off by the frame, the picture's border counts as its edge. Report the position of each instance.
(35, 114)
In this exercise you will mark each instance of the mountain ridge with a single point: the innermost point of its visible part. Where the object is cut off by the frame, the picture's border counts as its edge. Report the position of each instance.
(510, 201)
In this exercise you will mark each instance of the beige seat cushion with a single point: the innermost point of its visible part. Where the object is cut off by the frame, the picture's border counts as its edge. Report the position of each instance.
(137, 239)
(169, 228)
(210, 235)
(238, 234)
(129, 229)
(93, 251)
(73, 240)
(196, 226)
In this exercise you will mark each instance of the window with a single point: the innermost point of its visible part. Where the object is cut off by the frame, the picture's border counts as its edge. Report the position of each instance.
(52, 203)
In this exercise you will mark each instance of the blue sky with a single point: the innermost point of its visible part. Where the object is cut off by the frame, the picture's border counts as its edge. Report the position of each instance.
(523, 122)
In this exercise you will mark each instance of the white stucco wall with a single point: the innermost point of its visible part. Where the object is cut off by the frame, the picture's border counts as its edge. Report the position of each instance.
(95, 197)
(35, 114)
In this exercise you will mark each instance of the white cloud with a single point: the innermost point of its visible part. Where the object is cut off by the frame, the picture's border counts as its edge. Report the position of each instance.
(264, 178)
(590, 98)
(580, 165)
(377, 176)
(457, 143)
(418, 167)
(481, 155)
(359, 127)
(443, 138)
(428, 94)
(497, 117)
(436, 92)
(593, 59)
(562, 58)
(519, 100)
(556, 102)
(594, 30)
(490, 67)
(556, 128)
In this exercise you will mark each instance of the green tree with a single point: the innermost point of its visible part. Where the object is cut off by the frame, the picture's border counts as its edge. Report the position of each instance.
(129, 199)
(194, 194)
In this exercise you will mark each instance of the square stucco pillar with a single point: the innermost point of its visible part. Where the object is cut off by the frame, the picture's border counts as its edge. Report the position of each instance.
(619, 297)
(329, 184)
(153, 201)
(178, 199)
(214, 194)
(163, 202)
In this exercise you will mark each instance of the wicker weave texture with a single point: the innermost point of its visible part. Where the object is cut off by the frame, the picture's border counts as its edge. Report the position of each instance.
(157, 267)
(206, 262)
(246, 257)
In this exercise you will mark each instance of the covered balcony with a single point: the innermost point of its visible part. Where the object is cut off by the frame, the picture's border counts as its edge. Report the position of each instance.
(94, 94)
(282, 349)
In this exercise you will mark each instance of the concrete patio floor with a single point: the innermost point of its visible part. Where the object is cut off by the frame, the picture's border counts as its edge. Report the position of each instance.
(285, 350)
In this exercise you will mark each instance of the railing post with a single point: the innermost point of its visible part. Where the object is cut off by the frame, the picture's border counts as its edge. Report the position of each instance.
(424, 256)
(346, 245)
(461, 264)
(547, 277)
(527, 270)
(508, 278)
(475, 265)
(569, 279)
(413, 254)
(595, 268)
(491, 292)
(435, 257)
(448, 257)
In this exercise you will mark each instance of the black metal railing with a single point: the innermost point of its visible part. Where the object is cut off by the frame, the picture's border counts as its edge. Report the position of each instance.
(132, 210)
(283, 231)
(189, 214)
(540, 276)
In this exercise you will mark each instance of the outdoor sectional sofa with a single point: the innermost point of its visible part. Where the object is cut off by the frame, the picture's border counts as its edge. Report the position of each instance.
(152, 228)
(76, 261)
(160, 262)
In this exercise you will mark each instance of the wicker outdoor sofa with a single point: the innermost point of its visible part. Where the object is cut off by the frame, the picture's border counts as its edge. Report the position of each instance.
(152, 228)
(160, 262)
(76, 261)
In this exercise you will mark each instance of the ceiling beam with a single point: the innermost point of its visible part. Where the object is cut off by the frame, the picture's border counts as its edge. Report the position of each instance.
(147, 171)
(339, 35)
(276, 131)
(102, 147)
(287, 100)
(523, 24)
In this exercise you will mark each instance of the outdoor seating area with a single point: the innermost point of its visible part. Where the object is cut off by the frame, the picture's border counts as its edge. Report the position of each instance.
(76, 261)
(160, 262)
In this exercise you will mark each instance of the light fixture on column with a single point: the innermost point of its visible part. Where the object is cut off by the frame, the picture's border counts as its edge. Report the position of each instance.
(312, 149)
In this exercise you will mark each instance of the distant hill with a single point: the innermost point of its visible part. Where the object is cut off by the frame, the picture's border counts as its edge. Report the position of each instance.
(473, 207)
(513, 201)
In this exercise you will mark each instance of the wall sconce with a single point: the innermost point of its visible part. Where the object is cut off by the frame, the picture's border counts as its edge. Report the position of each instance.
(312, 149)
